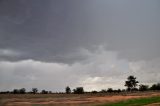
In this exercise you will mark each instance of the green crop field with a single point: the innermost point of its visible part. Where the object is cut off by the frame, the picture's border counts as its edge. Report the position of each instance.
(136, 102)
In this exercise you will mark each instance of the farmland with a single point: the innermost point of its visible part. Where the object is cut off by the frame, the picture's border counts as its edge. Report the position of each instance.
(99, 99)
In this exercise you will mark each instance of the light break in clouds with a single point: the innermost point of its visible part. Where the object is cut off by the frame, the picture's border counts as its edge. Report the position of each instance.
(102, 69)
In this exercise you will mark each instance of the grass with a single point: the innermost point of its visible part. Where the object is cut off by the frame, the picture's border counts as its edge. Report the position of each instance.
(135, 102)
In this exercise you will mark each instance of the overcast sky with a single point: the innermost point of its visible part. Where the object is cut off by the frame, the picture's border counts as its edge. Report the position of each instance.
(50, 44)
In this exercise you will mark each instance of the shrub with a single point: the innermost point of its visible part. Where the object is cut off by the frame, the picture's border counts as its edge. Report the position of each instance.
(78, 90)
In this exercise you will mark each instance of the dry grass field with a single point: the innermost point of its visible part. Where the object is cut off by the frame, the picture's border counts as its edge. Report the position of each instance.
(70, 99)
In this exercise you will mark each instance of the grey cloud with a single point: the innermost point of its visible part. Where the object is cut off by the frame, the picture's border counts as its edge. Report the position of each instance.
(56, 29)
(146, 70)
(102, 69)
(16, 13)
(8, 52)
(30, 73)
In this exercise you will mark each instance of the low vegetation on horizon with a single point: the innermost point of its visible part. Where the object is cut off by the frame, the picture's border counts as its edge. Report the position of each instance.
(133, 95)
(131, 85)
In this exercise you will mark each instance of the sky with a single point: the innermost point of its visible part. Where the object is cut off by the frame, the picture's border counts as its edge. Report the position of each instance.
(97, 44)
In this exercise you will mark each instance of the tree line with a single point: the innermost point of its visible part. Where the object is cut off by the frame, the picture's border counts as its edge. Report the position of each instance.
(131, 85)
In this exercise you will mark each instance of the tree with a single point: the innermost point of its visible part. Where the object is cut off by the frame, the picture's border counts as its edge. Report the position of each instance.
(119, 90)
(143, 87)
(155, 87)
(22, 91)
(15, 91)
(78, 90)
(158, 86)
(44, 92)
(94, 91)
(103, 91)
(34, 90)
(110, 90)
(131, 83)
(49, 92)
(68, 90)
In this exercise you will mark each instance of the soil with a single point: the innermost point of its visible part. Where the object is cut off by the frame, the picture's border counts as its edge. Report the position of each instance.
(76, 101)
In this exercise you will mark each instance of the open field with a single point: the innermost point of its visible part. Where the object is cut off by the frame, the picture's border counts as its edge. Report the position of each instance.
(121, 99)
(149, 101)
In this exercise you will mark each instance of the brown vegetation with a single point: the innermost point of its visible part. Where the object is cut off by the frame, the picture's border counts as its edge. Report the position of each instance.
(68, 99)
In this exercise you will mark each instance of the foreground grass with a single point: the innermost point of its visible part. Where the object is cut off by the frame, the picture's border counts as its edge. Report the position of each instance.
(135, 102)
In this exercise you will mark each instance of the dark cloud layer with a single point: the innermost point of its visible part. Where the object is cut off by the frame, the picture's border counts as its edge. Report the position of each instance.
(47, 30)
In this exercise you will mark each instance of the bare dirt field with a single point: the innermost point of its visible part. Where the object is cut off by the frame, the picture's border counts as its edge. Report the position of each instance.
(70, 99)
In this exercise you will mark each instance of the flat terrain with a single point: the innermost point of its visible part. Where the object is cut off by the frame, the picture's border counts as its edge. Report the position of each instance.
(146, 101)
(79, 100)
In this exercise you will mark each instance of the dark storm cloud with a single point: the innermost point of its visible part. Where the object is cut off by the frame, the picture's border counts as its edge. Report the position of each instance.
(51, 30)
(43, 29)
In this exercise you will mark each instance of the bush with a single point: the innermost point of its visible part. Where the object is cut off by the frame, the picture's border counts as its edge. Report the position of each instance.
(103, 91)
(94, 92)
(16, 91)
(34, 90)
(22, 91)
(78, 90)
(143, 87)
(44, 92)
(155, 87)
(110, 90)
(68, 90)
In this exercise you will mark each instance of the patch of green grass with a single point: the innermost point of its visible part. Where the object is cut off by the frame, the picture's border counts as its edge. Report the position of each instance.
(135, 102)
